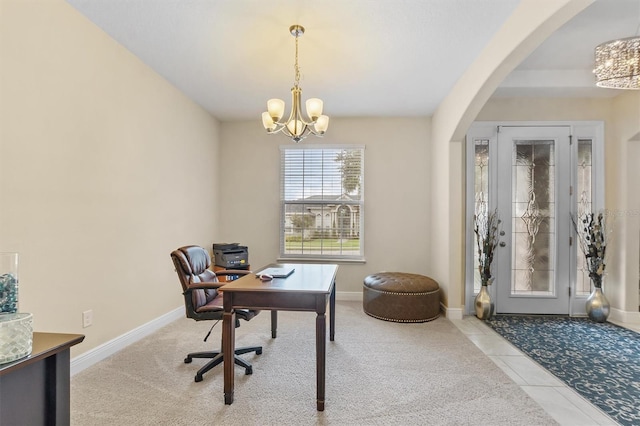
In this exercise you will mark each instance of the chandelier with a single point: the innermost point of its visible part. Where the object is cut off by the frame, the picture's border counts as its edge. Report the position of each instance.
(296, 127)
(618, 64)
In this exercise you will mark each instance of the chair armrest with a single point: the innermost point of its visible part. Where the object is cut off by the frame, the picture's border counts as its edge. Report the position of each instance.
(207, 285)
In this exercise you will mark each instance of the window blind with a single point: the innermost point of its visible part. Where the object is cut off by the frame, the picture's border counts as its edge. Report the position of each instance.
(322, 202)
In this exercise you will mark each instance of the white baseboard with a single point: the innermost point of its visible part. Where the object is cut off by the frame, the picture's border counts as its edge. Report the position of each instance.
(625, 317)
(109, 348)
(452, 313)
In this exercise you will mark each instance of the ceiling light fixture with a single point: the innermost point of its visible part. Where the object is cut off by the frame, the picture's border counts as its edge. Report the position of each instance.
(618, 64)
(296, 127)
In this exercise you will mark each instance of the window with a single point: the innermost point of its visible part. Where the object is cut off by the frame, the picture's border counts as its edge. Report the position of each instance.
(481, 195)
(584, 190)
(322, 202)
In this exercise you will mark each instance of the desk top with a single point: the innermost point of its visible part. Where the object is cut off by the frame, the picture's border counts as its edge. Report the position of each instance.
(307, 278)
(44, 345)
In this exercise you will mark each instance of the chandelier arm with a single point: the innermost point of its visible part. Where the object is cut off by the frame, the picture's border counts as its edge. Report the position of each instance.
(281, 127)
(278, 129)
(303, 134)
(295, 103)
(302, 120)
(296, 109)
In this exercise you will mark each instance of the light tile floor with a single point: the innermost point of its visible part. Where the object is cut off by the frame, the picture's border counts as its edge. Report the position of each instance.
(562, 403)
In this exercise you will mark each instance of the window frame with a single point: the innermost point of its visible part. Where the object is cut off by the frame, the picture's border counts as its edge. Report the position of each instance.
(338, 203)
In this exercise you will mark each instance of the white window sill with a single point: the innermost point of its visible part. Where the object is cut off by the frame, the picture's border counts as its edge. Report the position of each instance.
(318, 260)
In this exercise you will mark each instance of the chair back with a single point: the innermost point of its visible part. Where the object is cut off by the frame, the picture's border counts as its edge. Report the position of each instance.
(192, 265)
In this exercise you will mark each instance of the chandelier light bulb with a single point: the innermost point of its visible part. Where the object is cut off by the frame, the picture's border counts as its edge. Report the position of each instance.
(322, 123)
(275, 107)
(314, 108)
(267, 122)
(295, 127)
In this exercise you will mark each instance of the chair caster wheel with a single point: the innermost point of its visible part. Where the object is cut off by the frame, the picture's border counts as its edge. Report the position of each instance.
(248, 370)
(198, 378)
(187, 360)
(259, 352)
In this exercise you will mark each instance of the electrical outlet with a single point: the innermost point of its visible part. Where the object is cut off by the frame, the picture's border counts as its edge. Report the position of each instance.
(87, 318)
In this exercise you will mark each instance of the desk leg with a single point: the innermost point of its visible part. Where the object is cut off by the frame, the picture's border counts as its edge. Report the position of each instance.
(274, 323)
(332, 313)
(321, 336)
(228, 348)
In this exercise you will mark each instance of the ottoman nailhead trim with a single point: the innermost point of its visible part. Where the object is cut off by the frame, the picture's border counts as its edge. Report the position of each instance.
(396, 293)
(402, 320)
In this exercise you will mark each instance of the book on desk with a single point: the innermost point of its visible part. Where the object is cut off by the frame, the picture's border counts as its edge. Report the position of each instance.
(278, 272)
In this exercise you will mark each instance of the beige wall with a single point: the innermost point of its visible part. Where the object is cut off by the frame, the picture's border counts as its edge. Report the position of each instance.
(396, 192)
(623, 197)
(621, 116)
(104, 169)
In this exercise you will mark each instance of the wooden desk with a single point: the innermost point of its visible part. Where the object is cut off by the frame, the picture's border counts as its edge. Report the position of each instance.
(35, 390)
(309, 288)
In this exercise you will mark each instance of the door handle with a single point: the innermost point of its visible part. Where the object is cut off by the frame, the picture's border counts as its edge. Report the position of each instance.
(503, 244)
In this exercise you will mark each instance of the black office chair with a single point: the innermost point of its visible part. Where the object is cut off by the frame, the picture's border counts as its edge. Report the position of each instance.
(204, 302)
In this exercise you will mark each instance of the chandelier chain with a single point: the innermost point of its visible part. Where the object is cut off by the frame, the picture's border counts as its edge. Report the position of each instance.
(296, 67)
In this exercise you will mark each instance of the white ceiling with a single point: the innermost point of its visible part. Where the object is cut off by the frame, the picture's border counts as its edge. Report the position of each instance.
(362, 57)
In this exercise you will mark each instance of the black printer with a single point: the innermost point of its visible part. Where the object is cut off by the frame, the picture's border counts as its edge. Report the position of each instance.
(231, 256)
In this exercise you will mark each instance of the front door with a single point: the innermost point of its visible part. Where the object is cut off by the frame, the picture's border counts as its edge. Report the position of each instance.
(534, 176)
(533, 199)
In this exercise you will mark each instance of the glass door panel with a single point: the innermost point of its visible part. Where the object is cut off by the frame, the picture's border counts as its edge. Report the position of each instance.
(481, 195)
(533, 209)
(583, 191)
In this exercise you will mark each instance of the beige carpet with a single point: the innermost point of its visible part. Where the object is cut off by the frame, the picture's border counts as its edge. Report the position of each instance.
(378, 373)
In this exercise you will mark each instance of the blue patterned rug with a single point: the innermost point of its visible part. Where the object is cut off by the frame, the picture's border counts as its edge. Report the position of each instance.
(600, 361)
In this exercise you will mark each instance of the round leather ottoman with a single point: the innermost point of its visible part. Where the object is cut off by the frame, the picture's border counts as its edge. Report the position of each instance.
(401, 297)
